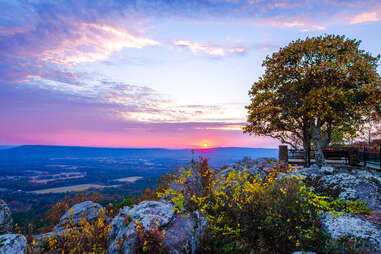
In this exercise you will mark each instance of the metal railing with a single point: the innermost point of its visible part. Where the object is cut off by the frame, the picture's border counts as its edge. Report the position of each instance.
(346, 155)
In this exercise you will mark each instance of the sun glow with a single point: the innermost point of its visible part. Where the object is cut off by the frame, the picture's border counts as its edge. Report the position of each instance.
(205, 145)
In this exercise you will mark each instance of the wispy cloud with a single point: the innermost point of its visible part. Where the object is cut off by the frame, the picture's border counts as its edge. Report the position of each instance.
(224, 127)
(128, 102)
(45, 39)
(108, 118)
(370, 16)
(93, 42)
(210, 49)
(44, 44)
(42, 38)
(304, 15)
(302, 23)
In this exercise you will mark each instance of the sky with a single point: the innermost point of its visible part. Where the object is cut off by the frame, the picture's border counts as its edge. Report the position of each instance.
(151, 73)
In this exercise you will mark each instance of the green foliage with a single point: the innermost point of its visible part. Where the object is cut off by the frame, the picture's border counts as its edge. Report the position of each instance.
(354, 207)
(177, 197)
(149, 241)
(326, 79)
(85, 237)
(125, 202)
(272, 214)
(260, 215)
(350, 245)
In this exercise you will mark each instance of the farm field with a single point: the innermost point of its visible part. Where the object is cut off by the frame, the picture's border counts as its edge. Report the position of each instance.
(73, 188)
(130, 179)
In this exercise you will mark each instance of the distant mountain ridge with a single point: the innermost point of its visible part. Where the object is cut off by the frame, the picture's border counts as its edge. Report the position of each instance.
(217, 156)
(6, 147)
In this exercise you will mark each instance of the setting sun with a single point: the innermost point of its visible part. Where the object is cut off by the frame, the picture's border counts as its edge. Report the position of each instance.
(205, 145)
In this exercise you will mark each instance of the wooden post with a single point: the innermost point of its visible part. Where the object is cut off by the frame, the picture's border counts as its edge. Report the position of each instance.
(365, 156)
(354, 156)
(283, 155)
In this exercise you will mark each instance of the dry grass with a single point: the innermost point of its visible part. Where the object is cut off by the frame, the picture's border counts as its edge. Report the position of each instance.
(130, 179)
(73, 188)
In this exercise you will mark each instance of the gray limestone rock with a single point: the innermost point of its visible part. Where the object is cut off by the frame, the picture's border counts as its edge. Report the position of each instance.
(123, 236)
(89, 209)
(183, 232)
(328, 170)
(6, 222)
(12, 244)
(352, 186)
(352, 225)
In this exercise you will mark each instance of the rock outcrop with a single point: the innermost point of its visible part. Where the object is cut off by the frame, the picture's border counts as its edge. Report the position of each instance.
(254, 167)
(193, 182)
(350, 225)
(183, 232)
(347, 184)
(12, 244)
(354, 186)
(328, 170)
(6, 221)
(259, 166)
(88, 209)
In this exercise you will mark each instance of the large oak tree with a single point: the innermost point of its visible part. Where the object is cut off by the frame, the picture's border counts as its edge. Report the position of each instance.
(314, 87)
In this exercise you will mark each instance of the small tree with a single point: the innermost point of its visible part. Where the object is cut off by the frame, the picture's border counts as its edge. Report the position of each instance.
(314, 87)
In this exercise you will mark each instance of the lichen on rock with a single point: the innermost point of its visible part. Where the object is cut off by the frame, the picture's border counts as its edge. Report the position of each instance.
(6, 220)
(12, 244)
(353, 226)
(183, 232)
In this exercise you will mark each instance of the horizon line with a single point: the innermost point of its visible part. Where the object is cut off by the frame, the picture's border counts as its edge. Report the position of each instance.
(134, 147)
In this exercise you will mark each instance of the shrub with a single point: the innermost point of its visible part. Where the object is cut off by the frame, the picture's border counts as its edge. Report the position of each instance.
(252, 214)
(125, 202)
(54, 214)
(355, 207)
(256, 214)
(149, 241)
(85, 237)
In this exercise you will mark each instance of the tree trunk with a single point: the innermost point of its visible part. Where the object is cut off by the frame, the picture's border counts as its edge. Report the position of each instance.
(326, 138)
(306, 146)
(316, 137)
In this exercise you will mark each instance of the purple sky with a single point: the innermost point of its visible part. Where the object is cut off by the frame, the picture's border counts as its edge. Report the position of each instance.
(149, 73)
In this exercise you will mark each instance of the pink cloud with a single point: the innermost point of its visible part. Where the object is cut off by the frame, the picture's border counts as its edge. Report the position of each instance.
(137, 137)
(209, 49)
(98, 40)
(305, 24)
(369, 16)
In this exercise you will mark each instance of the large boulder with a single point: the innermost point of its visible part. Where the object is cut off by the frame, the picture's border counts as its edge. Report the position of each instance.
(353, 226)
(88, 209)
(312, 172)
(346, 183)
(183, 232)
(354, 186)
(328, 170)
(6, 221)
(259, 163)
(260, 166)
(148, 213)
(12, 244)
